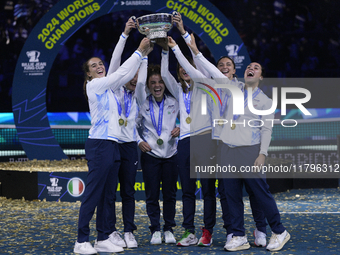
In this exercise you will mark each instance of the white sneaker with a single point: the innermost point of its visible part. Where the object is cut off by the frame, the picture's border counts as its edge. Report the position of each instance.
(169, 237)
(156, 238)
(229, 237)
(277, 241)
(130, 240)
(84, 248)
(187, 239)
(237, 243)
(107, 246)
(116, 239)
(260, 238)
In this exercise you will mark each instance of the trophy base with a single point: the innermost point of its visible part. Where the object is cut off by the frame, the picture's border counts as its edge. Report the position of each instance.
(157, 34)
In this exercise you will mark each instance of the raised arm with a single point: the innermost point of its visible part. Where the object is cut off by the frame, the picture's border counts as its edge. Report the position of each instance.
(203, 62)
(117, 53)
(169, 81)
(187, 38)
(124, 73)
(130, 67)
(192, 71)
(140, 92)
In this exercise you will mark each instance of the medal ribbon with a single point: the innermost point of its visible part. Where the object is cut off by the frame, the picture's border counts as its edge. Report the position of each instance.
(127, 102)
(160, 115)
(187, 99)
(118, 104)
(256, 92)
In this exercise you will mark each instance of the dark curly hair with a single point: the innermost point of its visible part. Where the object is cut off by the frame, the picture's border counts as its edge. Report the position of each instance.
(153, 70)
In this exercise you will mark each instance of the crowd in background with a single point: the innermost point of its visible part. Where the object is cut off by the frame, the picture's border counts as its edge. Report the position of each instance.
(290, 38)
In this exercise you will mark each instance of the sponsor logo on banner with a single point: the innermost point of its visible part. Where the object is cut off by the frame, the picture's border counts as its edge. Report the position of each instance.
(233, 50)
(54, 190)
(145, 2)
(33, 66)
(76, 187)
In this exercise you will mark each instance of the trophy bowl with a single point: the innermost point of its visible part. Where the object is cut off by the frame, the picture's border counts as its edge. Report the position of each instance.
(155, 25)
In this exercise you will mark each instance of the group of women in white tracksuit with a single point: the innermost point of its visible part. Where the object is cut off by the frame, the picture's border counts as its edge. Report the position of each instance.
(129, 107)
(244, 145)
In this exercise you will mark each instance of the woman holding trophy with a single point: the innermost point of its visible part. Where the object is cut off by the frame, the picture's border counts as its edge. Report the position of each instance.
(195, 131)
(102, 151)
(158, 143)
(128, 111)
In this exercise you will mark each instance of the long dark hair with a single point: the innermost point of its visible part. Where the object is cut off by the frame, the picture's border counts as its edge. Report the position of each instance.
(86, 69)
(191, 61)
(263, 71)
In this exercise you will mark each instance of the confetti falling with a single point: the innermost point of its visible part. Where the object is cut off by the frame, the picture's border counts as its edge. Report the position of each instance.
(38, 227)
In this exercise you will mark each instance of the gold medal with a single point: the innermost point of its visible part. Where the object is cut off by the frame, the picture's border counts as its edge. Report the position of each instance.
(188, 120)
(233, 126)
(121, 122)
(159, 141)
(220, 122)
(125, 122)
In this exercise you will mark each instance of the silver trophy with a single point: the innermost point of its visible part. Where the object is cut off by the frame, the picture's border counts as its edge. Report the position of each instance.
(155, 25)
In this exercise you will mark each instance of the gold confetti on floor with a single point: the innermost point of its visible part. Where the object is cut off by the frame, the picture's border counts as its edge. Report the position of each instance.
(38, 227)
(64, 165)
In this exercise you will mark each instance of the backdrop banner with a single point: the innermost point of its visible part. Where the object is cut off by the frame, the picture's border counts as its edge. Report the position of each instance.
(61, 22)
